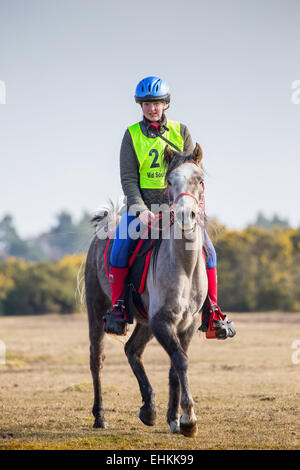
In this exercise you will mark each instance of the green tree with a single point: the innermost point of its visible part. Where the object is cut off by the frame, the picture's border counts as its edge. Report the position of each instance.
(39, 287)
(269, 224)
(12, 245)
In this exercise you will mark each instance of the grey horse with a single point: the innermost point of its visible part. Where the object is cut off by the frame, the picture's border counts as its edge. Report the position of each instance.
(175, 290)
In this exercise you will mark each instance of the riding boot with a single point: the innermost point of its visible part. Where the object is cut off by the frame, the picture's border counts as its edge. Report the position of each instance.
(116, 318)
(214, 323)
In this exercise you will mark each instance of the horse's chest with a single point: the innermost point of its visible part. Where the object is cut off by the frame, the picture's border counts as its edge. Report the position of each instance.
(185, 312)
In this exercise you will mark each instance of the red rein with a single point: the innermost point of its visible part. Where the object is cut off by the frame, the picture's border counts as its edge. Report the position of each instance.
(200, 206)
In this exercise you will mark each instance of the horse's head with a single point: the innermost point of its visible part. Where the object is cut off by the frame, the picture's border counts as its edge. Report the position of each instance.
(184, 179)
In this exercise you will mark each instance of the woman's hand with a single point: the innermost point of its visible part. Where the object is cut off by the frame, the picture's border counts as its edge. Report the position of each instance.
(146, 216)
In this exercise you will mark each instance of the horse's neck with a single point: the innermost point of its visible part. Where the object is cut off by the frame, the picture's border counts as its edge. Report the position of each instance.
(186, 252)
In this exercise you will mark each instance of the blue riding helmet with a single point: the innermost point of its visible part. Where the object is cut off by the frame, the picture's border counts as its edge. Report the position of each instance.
(152, 89)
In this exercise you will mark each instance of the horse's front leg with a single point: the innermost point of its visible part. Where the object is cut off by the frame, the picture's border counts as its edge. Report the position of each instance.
(188, 420)
(134, 349)
(174, 384)
(174, 399)
(165, 333)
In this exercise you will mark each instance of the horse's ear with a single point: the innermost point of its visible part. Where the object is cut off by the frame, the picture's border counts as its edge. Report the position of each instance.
(197, 154)
(168, 155)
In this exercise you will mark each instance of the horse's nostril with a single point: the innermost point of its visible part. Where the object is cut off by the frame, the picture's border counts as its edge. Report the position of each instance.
(193, 214)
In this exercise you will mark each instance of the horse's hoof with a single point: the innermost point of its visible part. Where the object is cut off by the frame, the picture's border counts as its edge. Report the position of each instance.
(147, 416)
(189, 430)
(100, 423)
(174, 426)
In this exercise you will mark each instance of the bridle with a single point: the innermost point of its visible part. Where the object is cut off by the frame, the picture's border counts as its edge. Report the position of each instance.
(199, 203)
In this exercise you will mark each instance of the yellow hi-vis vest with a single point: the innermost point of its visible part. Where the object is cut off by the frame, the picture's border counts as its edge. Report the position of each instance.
(150, 154)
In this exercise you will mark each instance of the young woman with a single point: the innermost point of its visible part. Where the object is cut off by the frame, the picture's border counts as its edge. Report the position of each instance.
(143, 182)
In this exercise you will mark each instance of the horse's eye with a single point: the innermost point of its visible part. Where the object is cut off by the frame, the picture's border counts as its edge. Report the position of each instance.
(169, 182)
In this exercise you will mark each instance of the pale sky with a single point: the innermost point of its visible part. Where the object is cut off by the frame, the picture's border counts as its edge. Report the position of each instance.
(70, 68)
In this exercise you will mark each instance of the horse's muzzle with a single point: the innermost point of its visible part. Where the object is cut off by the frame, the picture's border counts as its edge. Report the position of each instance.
(185, 217)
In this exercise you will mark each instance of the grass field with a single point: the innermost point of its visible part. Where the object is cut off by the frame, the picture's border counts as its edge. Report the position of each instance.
(246, 389)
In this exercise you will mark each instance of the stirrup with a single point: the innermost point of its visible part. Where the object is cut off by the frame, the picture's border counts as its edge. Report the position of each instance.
(224, 328)
(215, 324)
(115, 320)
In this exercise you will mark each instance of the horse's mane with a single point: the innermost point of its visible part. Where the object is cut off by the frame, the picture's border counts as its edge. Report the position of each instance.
(177, 161)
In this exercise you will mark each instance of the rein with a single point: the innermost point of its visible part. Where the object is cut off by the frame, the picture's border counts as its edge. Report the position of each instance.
(200, 211)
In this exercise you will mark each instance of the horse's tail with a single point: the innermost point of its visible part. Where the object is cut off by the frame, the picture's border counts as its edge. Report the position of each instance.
(80, 286)
(105, 220)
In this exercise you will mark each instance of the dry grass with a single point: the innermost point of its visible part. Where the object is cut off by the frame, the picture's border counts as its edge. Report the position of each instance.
(246, 390)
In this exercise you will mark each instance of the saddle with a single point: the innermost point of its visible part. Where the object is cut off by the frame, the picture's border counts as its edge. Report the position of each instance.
(136, 278)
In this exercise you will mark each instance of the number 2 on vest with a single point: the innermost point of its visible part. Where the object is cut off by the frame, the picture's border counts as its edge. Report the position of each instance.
(154, 164)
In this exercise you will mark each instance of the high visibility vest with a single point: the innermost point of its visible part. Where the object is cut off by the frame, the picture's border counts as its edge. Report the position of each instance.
(150, 154)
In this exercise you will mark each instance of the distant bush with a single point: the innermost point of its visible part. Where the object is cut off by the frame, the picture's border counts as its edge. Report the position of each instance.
(38, 287)
(258, 270)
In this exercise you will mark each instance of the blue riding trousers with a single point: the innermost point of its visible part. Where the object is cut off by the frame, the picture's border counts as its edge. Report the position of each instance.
(123, 243)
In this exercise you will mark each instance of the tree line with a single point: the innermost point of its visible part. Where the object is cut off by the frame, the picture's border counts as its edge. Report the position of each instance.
(66, 236)
(258, 267)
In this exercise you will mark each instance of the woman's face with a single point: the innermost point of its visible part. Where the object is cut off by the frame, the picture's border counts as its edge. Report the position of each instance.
(153, 110)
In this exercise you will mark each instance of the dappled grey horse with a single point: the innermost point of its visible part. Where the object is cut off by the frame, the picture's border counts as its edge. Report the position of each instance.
(176, 288)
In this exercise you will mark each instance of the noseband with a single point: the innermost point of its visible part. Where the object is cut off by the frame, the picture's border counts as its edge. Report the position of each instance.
(185, 194)
(200, 204)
